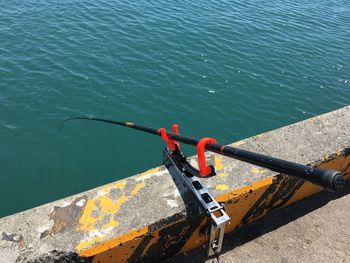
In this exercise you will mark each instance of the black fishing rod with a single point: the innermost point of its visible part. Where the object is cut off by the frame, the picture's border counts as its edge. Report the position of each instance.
(329, 179)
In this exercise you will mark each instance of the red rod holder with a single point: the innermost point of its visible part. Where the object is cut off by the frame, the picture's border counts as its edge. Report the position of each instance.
(204, 170)
(171, 144)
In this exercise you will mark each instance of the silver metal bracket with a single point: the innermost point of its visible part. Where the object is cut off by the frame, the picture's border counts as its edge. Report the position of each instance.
(177, 167)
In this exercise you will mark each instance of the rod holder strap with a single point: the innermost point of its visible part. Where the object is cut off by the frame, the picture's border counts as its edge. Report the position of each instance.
(204, 170)
(171, 144)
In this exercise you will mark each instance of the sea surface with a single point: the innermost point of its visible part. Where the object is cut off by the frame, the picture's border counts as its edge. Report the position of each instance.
(224, 69)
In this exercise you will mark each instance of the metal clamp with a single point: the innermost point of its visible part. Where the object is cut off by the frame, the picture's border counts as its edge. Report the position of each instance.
(178, 167)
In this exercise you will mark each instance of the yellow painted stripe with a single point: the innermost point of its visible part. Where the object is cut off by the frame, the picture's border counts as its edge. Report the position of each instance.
(114, 242)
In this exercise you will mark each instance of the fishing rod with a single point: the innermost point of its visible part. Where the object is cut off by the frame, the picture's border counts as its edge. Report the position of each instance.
(331, 180)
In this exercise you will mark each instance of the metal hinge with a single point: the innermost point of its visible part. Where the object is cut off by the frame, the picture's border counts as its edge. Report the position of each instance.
(178, 168)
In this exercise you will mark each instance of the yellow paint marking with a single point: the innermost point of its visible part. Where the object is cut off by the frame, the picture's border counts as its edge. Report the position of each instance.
(138, 187)
(118, 254)
(222, 187)
(87, 221)
(119, 185)
(150, 171)
(106, 205)
(240, 201)
(100, 209)
(112, 223)
(115, 242)
(86, 243)
(218, 163)
(223, 175)
(244, 190)
(257, 171)
(109, 206)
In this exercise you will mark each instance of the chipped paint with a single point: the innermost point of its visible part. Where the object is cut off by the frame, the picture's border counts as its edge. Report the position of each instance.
(82, 202)
(172, 203)
(138, 187)
(103, 208)
(108, 187)
(105, 205)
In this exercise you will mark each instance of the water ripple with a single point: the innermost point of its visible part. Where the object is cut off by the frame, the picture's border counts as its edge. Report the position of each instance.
(229, 69)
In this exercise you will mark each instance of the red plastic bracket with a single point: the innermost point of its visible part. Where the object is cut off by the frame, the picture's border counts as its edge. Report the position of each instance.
(171, 144)
(204, 170)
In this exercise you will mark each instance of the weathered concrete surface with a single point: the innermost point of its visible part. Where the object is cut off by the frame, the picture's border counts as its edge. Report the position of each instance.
(145, 217)
(313, 230)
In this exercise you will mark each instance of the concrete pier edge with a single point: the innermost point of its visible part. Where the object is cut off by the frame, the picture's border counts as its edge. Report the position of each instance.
(144, 218)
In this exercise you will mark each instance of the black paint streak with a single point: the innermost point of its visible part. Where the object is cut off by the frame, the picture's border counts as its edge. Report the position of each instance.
(277, 195)
(172, 239)
(173, 235)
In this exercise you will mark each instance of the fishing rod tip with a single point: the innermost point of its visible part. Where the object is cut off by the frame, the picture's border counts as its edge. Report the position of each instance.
(89, 117)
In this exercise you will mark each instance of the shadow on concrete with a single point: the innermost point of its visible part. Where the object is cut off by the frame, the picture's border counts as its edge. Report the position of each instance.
(274, 220)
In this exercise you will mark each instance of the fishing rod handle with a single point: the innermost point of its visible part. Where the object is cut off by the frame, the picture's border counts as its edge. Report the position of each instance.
(331, 180)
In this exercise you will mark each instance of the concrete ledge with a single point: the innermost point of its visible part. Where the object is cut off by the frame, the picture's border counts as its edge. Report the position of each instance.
(144, 218)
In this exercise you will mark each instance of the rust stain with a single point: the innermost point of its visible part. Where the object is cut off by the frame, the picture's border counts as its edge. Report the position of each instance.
(65, 218)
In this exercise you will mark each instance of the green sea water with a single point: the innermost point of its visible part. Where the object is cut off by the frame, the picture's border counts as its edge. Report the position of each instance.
(224, 69)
